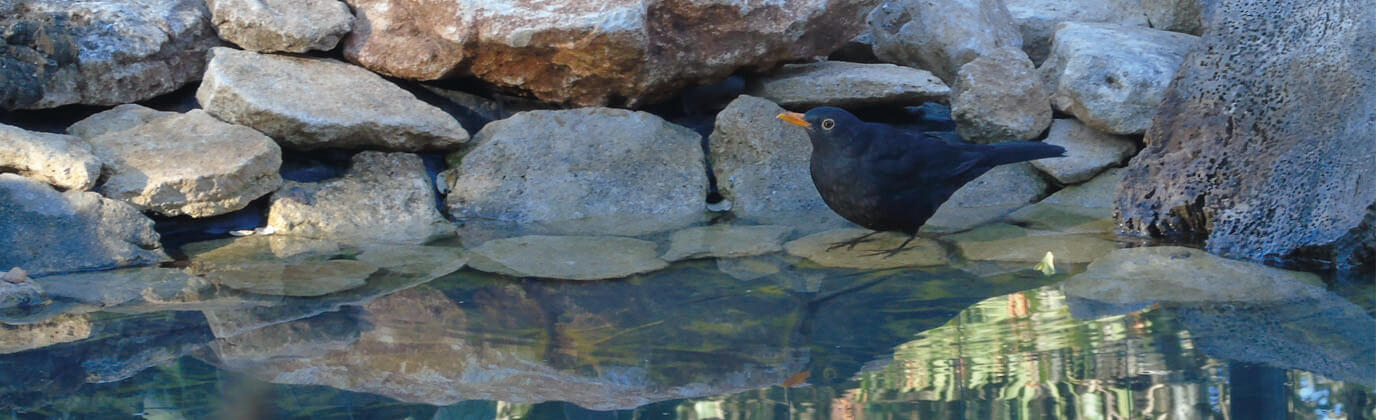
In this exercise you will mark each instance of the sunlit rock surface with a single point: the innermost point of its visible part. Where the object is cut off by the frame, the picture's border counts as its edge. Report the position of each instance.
(725, 241)
(314, 103)
(60, 160)
(162, 161)
(1087, 152)
(1037, 19)
(582, 171)
(1082, 208)
(989, 197)
(1003, 242)
(999, 97)
(281, 25)
(761, 166)
(103, 52)
(869, 255)
(941, 36)
(48, 232)
(623, 52)
(1112, 77)
(1263, 143)
(567, 257)
(383, 198)
(841, 84)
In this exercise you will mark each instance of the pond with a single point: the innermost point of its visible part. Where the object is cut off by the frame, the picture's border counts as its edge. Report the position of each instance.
(417, 334)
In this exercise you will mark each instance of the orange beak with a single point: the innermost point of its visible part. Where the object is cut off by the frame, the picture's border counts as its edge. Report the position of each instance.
(795, 119)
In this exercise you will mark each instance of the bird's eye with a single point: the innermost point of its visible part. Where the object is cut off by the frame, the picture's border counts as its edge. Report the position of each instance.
(827, 124)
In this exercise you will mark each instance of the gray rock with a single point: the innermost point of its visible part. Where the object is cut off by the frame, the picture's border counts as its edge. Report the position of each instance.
(305, 278)
(102, 52)
(62, 161)
(761, 166)
(996, 193)
(725, 241)
(128, 286)
(384, 197)
(1263, 144)
(1004, 242)
(1087, 152)
(941, 36)
(312, 103)
(1185, 16)
(567, 257)
(61, 329)
(869, 255)
(19, 295)
(841, 84)
(586, 171)
(1180, 275)
(1112, 77)
(1083, 208)
(1037, 19)
(1000, 97)
(162, 165)
(281, 25)
(49, 232)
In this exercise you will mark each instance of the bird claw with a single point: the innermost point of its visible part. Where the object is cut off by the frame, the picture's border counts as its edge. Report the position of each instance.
(851, 243)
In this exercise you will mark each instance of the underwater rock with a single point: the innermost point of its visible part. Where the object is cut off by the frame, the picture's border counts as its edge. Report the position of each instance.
(941, 36)
(99, 52)
(920, 252)
(281, 25)
(1000, 97)
(48, 232)
(383, 198)
(725, 241)
(1263, 145)
(1179, 274)
(989, 197)
(62, 161)
(581, 171)
(1037, 19)
(1083, 208)
(618, 53)
(314, 103)
(305, 278)
(1004, 242)
(162, 164)
(58, 330)
(1112, 77)
(841, 84)
(140, 285)
(567, 257)
(1087, 152)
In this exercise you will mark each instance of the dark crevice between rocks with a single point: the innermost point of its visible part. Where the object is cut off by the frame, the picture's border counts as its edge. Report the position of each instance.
(178, 231)
(696, 108)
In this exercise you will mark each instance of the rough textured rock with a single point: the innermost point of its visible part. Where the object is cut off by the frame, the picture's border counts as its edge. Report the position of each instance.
(725, 241)
(1037, 19)
(63, 161)
(588, 170)
(20, 295)
(1004, 242)
(1087, 152)
(621, 52)
(761, 166)
(1000, 97)
(1083, 208)
(941, 36)
(841, 84)
(312, 103)
(181, 164)
(61, 329)
(48, 232)
(869, 255)
(1264, 141)
(281, 25)
(989, 197)
(1112, 77)
(103, 52)
(567, 257)
(384, 197)
(1178, 15)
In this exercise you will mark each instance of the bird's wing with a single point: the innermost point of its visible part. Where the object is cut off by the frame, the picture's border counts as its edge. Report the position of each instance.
(927, 160)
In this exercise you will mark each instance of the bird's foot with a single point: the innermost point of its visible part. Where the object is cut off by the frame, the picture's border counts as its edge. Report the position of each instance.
(851, 243)
(896, 250)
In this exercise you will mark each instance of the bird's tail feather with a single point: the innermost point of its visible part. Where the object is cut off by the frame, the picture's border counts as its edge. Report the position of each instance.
(1018, 151)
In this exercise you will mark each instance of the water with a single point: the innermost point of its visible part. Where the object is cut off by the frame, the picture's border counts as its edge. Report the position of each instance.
(757, 338)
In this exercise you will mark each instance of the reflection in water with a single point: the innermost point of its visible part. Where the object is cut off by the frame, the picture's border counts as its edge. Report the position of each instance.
(695, 342)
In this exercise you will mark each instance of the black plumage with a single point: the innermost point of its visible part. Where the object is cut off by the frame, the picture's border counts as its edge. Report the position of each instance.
(889, 179)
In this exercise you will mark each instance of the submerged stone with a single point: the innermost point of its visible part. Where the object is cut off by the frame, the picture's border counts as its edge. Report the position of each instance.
(725, 241)
(1004, 242)
(920, 252)
(567, 257)
(306, 278)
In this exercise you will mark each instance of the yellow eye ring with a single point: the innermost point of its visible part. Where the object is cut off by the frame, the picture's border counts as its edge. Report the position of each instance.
(827, 124)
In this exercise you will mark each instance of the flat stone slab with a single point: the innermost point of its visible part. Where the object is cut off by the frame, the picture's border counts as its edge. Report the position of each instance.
(1087, 152)
(1005, 242)
(163, 161)
(281, 25)
(306, 278)
(313, 103)
(725, 241)
(1082, 208)
(921, 252)
(49, 232)
(1179, 274)
(567, 257)
(60, 160)
(842, 84)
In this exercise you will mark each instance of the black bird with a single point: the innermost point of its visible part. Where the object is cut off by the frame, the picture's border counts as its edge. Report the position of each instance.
(888, 179)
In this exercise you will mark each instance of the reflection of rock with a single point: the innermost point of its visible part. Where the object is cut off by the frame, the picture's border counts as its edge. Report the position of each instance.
(725, 241)
(46, 232)
(62, 161)
(1083, 208)
(841, 84)
(567, 257)
(314, 336)
(60, 329)
(920, 252)
(1004, 242)
(383, 198)
(281, 25)
(307, 278)
(989, 197)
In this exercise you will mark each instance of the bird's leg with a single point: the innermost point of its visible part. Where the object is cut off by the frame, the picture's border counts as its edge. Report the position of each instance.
(895, 251)
(850, 244)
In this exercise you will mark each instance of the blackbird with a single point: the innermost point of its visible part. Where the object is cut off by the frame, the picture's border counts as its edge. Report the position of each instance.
(889, 179)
